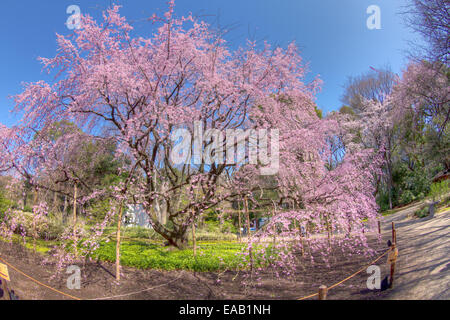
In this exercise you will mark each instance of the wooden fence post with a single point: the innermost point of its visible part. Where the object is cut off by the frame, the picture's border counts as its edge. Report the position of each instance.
(392, 260)
(391, 282)
(379, 227)
(393, 255)
(323, 292)
(394, 233)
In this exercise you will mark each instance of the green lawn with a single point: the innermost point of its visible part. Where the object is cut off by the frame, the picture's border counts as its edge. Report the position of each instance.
(148, 254)
(211, 256)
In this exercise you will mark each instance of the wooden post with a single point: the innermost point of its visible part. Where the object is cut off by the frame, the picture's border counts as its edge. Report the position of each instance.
(379, 227)
(119, 226)
(329, 231)
(240, 225)
(248, 235)
(247, 216)
(302, 243)
(392, 260)
(394, 236)
(75, 195)
(275, 231)
(323, 292)
(6, 294)
(194, 240)
(391, 282)
(34, 221)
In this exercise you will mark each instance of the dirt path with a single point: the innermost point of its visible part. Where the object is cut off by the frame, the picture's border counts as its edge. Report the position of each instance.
(423, 266)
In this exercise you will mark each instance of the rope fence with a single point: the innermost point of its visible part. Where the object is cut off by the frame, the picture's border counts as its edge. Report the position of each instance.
(348, 278)
(77, 298)
(38, 282)
(321, 293)
(393, 253)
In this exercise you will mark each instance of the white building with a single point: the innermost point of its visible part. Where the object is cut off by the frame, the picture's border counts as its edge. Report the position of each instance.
(136, 216)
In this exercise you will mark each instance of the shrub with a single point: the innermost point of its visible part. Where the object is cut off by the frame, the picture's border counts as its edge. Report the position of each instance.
(422, 212)
(439, 189)
(5, 204)
(407, 197)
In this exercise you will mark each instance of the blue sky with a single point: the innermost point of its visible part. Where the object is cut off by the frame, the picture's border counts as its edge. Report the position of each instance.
(332, 35)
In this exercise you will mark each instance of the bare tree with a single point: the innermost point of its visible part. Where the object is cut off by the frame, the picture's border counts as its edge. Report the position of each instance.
(372, 85)
(431, 19)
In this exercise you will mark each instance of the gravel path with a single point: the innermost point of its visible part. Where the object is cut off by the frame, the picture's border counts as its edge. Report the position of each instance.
(423, 265)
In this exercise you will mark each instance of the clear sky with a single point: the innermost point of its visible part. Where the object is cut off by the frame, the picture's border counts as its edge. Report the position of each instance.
(332, 35)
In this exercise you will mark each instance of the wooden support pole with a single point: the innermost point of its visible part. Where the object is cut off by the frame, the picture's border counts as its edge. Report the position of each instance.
(119, 226)
(329, 231)
(247, 216)
(240, 225)
(248, 235)
(75, 196)
(273, 219)
(34, 220)
(323, 292)
(194, 239)
(6, 294)
(379, 227)
(302, 243)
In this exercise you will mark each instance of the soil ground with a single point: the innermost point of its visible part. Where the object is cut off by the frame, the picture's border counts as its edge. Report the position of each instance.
(99, 282)
(422, 273)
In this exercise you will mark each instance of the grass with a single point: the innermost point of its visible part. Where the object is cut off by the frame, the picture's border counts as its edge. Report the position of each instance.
(42, 246)
(211, 256)
(151, 254)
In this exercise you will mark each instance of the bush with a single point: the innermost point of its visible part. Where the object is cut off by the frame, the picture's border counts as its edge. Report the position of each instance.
(5, 204)
(217, 231)
(407, 197)
(383, 201)
(98, 210)
(53, 229)
(439, 189)
(422, 212)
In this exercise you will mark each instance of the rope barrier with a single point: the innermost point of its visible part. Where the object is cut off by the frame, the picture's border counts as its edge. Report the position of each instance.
(76, 298)
(38, 282)
(148, 289)
(348, 278)
(140, 291)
